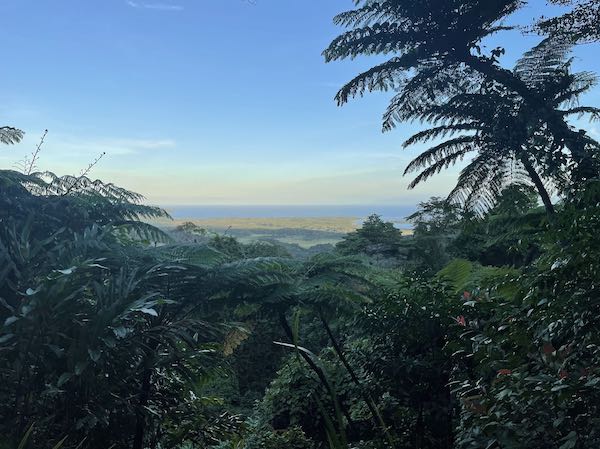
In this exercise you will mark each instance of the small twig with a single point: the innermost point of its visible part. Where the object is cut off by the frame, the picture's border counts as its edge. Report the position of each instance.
(28, 165)
(84, 173)
(87, 170)
(36, 154)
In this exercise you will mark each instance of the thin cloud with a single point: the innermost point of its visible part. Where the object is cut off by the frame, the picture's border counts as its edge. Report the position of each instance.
(113, 147)
(155, 6)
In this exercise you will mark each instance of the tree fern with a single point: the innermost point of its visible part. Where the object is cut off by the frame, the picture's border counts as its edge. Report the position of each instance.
(10, 135)
(442, 77)
(511, 145)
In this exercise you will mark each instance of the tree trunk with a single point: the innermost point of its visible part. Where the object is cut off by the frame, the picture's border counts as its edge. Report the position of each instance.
(318, 371)
(539, 185)
(377, 418)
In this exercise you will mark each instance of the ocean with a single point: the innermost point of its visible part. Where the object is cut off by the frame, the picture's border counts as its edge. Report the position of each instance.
(387, 212)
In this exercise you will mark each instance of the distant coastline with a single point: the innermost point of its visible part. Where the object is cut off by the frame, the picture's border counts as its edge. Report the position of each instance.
(305, 226)
(396, 214)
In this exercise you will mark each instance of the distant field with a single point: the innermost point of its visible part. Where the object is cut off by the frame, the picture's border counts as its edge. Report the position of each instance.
(293, 237)
(305, 232)
(341, 225)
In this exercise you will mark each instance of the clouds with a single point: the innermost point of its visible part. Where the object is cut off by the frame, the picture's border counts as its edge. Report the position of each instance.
(77, 148)
(155, 6)
(116, 146)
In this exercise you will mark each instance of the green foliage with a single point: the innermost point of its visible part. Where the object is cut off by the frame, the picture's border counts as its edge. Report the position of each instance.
(480, 330)
(406, 365)
(480, 355)
(435, 226)
(112, 341)
(380, 240)
(101, 332)
(528, 365)
(234, 249)
(401, 368)
(293, 438)
(228, 246)
(191, 228)
(508, 235)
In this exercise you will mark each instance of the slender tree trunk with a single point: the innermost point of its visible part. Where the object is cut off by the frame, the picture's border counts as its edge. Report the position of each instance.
(318, 371)
(377, 418)
(539, 185)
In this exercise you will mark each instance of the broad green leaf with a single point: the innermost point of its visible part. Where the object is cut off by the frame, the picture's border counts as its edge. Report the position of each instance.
(64, 378)
(6, 337)
(80, 367)
(10, 320)
(94, 354)
(148, 311)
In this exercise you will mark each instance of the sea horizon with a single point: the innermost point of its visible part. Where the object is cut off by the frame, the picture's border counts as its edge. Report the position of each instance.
(358, 211)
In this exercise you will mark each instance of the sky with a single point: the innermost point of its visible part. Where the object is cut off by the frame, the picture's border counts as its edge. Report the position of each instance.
(209, 101)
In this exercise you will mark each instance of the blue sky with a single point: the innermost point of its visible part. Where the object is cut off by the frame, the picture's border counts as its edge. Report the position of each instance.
(207, 101)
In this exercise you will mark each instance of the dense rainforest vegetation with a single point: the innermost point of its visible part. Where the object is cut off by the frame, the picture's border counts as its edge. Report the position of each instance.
(481, 330)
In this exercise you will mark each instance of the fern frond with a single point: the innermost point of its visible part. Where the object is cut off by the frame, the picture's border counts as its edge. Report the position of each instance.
(432, 86)
(592, 111)
(367, 15)
(449, 151)
(379, 38)
(133, 230)
(482, 181)
(467, 106)
(580, 24)
(383, 77)
(10, 135)
(440, 131)
(436, 168)
(578, 84)
(543, 61)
